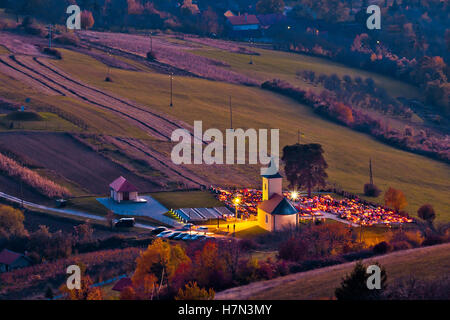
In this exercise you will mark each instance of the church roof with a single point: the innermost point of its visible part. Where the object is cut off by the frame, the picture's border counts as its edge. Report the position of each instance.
(271, 176)
(122, 185)
(277, 205)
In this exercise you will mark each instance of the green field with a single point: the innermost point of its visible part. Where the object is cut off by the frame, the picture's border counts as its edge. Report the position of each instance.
(192, 199)
(272, 64)
(347, 152)
(97, 120)
(49, 122)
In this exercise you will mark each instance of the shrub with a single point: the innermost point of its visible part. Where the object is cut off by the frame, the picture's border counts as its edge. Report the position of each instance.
(67, 39)
(381, 248)
(53, 52)
(23, 116)
(354, 287)
(151, 56)
(293, 250)
(371, 190)
(432, 240)
(401, 245)
(193, 292)
(426, 212)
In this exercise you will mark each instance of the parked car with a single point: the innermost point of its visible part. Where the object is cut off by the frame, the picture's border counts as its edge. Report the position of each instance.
(125, 223)
(180, 236)
(158, 230)
(173, 235)
(187, 227)
(195, 237)
(164, 234)
(202, 229)
(201, 237)
(186, 237)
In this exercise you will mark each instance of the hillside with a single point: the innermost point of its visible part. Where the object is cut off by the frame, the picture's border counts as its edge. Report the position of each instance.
(346, 151)
(422, 263)
(131, 114)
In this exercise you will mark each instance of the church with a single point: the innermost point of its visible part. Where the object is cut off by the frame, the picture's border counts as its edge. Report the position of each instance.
(275, 212)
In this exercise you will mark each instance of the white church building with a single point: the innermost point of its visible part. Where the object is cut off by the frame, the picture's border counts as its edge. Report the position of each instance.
(275, 212)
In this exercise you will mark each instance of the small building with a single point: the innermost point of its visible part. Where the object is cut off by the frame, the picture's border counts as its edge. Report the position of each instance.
(122, 190)
(243, 22)
(10, 260)
(275, 212)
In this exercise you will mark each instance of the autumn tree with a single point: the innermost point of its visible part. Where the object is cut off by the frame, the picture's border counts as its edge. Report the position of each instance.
(395, 199)
(86, 292)
(209, 266)
(158, 264)
(270, 6)
(354, 286)
(11, 222)
(87, 20)
(193, 292)
(305, 166)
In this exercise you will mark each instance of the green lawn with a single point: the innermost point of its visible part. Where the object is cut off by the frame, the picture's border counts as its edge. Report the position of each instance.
(347, 152)
(49, 122)
(88, 204)
(97, 120)
(188, 199)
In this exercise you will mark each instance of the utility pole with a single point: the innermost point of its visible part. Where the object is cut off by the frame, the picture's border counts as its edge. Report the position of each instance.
(370, 169)
(171, 89)
(151, 42)
(108, 63)
(50, 30)
(231, 115)
(299, 135)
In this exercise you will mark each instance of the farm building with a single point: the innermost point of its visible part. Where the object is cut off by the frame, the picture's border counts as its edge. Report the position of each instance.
(275, 211)
(10, 260)
(122, 190)
(243, 22)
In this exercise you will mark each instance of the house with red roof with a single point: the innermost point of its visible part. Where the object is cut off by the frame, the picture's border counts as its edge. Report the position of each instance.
(243, 22)
(122, 190)
(275, 212)
(10, 260)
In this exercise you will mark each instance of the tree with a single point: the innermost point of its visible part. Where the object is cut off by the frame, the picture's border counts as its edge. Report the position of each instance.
(193, 292)
(395, 199)
(426, 212)
(160, 261)
(87, 20)
(354, 286)
(305, 166)
(11, 222)
(86, 292)
(270, 6)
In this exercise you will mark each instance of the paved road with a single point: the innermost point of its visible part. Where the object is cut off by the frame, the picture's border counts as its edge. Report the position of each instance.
(65, 211)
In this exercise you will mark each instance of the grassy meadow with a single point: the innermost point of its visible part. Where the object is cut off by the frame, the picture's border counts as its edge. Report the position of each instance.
(272, 64)
(347, 152)
(422, 263)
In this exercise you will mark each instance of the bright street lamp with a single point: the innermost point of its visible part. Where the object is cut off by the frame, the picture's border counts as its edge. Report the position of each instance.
(236, 201)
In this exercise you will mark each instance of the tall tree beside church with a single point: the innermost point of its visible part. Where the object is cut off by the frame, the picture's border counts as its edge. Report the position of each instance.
(305, 166)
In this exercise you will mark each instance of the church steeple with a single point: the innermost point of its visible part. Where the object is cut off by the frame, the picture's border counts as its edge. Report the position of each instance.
(272, 184)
